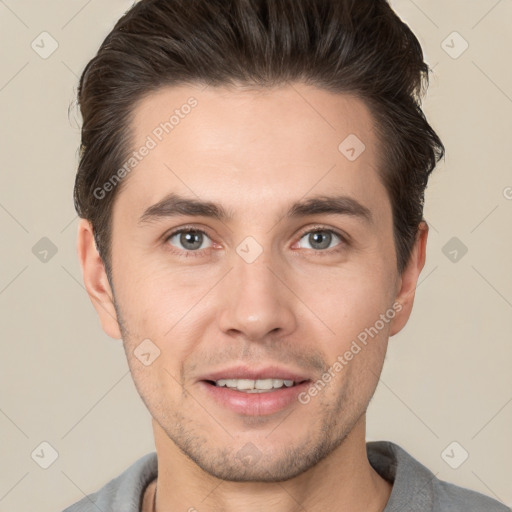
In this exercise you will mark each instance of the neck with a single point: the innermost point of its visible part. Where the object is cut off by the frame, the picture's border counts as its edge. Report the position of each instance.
(344, 480)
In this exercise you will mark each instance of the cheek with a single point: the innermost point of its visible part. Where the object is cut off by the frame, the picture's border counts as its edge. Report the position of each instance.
(352, 309)
(155, 297)
(348, 302)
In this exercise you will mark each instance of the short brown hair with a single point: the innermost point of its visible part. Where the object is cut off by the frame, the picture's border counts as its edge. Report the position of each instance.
(344, 46)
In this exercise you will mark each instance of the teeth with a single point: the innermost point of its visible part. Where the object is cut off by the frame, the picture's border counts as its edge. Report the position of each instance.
(254, 386)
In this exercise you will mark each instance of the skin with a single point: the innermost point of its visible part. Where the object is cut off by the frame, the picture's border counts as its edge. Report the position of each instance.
(255, 153)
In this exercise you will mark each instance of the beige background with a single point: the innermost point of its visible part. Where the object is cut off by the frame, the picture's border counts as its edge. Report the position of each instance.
(447, 376)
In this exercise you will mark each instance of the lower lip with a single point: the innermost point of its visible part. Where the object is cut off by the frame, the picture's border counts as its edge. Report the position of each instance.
(255, 404)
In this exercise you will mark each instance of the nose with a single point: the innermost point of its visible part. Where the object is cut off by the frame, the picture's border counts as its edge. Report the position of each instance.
(256, 301)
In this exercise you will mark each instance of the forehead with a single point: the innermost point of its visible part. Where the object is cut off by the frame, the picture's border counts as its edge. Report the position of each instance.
(251, 148)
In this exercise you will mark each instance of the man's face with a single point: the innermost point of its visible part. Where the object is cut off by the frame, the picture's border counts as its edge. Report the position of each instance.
(260, 290)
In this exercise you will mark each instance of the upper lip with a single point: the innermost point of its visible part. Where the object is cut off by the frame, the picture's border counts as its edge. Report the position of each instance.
(267, 372)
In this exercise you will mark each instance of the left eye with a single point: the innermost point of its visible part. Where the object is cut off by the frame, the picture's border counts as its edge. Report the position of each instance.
(320, 239)
(190, 240)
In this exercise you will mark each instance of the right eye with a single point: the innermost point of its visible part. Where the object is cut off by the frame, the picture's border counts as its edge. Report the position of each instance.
(190, 240)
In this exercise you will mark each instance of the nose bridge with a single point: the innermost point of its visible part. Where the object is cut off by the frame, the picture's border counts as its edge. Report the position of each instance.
(255, 301)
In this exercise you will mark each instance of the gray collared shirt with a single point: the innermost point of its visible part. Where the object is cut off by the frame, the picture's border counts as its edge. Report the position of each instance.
(415, 488)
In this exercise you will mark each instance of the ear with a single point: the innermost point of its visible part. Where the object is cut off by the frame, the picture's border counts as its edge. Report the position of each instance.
(95, 280)
(409, 279)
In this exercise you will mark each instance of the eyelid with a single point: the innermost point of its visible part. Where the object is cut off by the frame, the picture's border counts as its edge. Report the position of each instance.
(320, 227)
(186, 227)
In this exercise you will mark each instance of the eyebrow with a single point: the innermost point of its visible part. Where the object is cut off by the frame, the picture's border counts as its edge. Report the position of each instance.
(174, 205)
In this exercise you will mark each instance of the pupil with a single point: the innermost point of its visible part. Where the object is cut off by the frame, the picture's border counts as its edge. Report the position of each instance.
(191, 239)
(317, 238)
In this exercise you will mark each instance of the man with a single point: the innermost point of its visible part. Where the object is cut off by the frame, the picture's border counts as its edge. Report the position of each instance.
(251, 190)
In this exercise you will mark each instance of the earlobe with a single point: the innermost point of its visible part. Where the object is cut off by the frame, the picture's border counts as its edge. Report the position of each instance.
(409, 280)
(95, 279)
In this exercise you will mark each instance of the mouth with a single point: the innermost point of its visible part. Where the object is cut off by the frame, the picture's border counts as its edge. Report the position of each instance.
(253, 392)
(244, 396)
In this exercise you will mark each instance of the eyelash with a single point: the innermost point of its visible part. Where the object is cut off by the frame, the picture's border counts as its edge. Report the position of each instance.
(344, 241)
